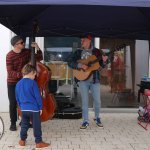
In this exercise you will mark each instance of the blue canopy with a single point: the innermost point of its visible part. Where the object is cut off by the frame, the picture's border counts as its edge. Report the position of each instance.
(102, 18)
(137, 3)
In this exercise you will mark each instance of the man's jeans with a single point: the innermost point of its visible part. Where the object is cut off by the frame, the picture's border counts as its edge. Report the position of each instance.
(85, 86)
(12, 103)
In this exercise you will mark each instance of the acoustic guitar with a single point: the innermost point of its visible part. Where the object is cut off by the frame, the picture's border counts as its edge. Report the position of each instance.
(93, 64)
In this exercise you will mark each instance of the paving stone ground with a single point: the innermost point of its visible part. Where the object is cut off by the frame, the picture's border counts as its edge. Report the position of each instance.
(120, 132)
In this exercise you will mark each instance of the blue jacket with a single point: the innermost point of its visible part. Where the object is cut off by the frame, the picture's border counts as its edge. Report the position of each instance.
(28, 95)
(72, 61)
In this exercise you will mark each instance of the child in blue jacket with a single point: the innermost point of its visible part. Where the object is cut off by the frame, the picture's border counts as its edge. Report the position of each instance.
(30, 102)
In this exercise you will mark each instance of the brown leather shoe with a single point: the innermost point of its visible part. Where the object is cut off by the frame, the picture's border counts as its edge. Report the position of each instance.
(22, 143)
(42, 144)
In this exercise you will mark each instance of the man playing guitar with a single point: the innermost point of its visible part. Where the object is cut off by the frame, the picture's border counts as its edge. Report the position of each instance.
(78, 62)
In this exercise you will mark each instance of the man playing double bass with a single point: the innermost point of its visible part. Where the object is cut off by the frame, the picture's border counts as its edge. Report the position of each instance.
(15, 60)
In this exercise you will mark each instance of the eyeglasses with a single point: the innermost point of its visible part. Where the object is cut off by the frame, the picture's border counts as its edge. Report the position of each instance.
(20, 43)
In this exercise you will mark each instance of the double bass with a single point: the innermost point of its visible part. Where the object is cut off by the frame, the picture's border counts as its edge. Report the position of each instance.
(43, 76)
(49, 105)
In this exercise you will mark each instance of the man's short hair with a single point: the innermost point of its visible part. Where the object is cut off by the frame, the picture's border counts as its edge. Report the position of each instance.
(15, 39)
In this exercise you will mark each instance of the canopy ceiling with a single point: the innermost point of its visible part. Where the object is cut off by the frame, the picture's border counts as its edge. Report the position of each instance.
(102, 18)
(138, 3)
